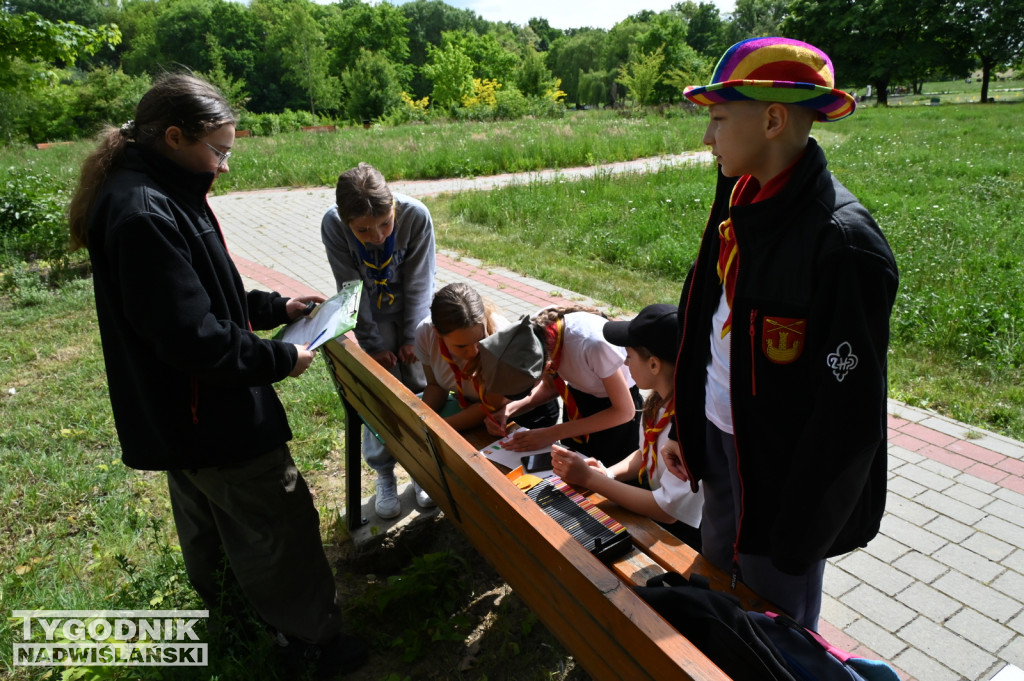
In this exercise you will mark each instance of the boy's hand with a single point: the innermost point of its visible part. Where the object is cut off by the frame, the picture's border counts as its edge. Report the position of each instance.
(673, 460)
(572, 466)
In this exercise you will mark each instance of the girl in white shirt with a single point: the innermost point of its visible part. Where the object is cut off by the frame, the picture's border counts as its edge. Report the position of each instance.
(447, 346)
(600, 401)
(640, 482)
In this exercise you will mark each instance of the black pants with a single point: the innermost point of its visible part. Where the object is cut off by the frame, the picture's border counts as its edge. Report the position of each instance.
(260, 516)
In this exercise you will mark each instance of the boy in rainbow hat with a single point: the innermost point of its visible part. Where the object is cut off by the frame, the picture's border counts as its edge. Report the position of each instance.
(783, 423)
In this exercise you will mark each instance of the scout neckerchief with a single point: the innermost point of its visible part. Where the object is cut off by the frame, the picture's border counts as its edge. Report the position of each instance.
(555, 339)
(461, 376)
(377, 266)
(747, 190)
(649, 453)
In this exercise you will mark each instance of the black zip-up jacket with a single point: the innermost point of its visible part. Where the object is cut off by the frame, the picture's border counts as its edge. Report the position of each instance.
(814, 291)
(190, 383)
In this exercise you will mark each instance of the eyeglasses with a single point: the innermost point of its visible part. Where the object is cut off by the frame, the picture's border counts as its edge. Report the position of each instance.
(222, 156)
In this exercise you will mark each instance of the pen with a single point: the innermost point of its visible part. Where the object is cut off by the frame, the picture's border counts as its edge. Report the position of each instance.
(310, 343)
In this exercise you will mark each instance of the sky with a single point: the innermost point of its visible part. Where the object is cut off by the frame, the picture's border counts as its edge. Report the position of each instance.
(566, 13)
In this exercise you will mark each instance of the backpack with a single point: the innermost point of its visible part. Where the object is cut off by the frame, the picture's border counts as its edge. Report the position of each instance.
(812, 658)
(749, 645)
(717, 625)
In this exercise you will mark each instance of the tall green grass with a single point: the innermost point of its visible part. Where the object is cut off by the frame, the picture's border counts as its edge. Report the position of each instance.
(429, 151)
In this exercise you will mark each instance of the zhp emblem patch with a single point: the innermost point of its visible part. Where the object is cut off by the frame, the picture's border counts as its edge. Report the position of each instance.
(782, 339)
(842, 361)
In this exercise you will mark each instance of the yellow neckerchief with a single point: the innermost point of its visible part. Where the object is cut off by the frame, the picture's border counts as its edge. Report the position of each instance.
(379, 279)
(649, 452)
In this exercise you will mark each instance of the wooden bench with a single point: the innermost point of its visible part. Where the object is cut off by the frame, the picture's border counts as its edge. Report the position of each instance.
(589, 606)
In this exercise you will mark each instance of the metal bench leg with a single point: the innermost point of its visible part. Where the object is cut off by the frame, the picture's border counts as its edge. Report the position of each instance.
(353, 466)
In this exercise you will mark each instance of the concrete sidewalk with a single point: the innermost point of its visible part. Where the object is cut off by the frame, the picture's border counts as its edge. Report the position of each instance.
(939, 593)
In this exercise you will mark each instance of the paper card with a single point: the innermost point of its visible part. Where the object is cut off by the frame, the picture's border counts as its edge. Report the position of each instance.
(328, 320)
(497, 453)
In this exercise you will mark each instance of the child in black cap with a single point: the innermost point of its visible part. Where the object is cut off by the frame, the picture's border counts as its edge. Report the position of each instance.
(640, 482)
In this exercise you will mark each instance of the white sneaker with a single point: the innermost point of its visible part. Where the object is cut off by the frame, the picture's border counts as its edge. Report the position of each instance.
(423, 499)
(386, 504)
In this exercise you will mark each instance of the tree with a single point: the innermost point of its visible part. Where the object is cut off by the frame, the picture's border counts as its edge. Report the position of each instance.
(756, 19)
(490, 59)
(306, 57)
(594, 87)
(428, 19)
(990, 30)
(534, 78)
(880, 43)
(452, 74)
(44, 45)
(356, 26)
(641, 75)
(579, 53)
(372, 86)
(706, 31)
(545, 34)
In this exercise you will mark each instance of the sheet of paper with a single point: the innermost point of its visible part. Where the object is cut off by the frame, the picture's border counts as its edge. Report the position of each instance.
(328, 320)
(497, 453)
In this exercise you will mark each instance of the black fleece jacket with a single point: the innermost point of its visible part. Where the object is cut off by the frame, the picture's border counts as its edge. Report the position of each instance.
(815, 287)
(190, 383)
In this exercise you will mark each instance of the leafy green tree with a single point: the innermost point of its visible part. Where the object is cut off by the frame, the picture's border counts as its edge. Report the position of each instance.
(694, 71)
(992, 31)
(706, 31)
(534, 78)
(666, 31)
(545, 34)
(306, 58)
(452, 74)
(233, 88)
(641, 74)
(88, 13)
(372, 85)
(181, 29)
(576, 54)
(491, 60)
(428, 19)
(880, 43)
(139, 52)
(756, 19)
(594, 87)
(356, 26)
(44, 45)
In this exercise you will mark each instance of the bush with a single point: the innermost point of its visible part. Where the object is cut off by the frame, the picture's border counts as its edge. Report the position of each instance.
(373, 87)
(510, 103)
(267, 124)
(33, 226)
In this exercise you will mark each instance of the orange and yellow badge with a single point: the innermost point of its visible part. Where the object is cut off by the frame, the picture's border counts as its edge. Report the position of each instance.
(782, 339)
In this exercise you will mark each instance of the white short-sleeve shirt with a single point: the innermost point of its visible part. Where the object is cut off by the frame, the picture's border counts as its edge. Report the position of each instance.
(672, 495)
(587, 358)
(428, 351)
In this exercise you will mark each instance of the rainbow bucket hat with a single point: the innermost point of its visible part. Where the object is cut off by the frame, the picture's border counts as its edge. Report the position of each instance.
(775, 70)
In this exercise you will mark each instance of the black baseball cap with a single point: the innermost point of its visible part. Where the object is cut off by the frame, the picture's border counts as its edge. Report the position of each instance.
(655, 328)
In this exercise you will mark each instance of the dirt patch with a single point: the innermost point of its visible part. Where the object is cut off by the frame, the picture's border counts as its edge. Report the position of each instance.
(427, 603)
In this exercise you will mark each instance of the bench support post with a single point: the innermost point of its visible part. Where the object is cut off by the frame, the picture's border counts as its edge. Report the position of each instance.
(353, 465)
